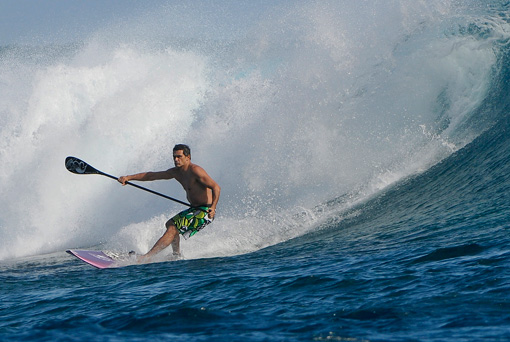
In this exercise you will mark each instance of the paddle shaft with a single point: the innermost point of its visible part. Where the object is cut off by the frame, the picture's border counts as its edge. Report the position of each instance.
(148, 190)
(78, 166)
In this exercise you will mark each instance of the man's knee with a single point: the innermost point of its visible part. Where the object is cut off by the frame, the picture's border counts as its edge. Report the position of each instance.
(170, 226)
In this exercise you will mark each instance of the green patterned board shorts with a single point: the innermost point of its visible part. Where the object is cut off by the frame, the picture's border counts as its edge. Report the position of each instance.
(192, 220)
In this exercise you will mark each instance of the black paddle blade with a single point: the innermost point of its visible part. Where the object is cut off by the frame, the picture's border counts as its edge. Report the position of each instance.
(78, 166)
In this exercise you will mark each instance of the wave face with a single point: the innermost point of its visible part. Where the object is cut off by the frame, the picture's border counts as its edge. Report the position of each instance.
(318, 108)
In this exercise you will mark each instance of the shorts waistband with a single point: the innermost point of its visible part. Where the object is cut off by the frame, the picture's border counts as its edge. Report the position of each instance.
(201, 207)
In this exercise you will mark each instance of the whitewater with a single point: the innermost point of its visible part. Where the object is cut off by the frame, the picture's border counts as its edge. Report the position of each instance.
(362, 149)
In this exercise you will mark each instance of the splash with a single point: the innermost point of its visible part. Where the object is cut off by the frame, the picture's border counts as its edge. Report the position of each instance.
(318, 101)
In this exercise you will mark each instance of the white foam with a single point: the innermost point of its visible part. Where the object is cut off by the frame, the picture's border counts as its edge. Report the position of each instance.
(321, 99)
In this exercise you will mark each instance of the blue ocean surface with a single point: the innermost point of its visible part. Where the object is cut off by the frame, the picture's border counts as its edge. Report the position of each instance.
(365, 173)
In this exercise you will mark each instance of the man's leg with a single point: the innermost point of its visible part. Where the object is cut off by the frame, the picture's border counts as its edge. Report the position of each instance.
(171, 236)
(176, 245)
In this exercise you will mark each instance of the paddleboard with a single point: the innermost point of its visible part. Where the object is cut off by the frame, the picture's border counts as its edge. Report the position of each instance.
(110, 259)
(95, 258)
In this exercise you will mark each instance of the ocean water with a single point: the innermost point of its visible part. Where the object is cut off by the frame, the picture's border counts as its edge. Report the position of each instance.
(363, 151)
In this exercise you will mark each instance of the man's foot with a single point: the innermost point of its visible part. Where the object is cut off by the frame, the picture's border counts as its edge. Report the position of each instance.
(142, 259)
(177, 256)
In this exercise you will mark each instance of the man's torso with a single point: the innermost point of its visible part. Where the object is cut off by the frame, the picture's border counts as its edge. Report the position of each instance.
(196, 192)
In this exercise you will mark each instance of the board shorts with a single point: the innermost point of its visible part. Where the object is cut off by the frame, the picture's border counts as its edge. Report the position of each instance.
(190, 221)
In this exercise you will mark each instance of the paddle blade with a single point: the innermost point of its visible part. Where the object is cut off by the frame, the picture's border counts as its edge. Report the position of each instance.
(78, 166)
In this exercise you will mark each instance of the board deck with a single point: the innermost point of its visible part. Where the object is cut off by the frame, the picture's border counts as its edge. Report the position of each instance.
(95, 258)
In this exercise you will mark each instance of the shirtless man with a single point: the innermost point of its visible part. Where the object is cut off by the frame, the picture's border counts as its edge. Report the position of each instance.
(202, 192)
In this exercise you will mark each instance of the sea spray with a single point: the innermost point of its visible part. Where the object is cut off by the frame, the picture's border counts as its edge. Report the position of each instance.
(116, 110)
(320, 100)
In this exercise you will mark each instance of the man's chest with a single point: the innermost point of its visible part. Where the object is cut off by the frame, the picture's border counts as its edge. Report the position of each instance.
(188, 182)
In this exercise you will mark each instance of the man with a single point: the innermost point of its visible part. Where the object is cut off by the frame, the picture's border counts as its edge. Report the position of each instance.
(202, 193)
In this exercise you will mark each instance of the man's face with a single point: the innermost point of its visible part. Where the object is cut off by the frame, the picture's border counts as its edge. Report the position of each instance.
(180, 159)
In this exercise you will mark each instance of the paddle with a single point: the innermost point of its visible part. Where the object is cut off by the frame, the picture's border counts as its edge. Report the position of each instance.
(80, 167)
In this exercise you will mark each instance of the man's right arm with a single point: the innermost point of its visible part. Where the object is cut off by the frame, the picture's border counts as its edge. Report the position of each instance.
(147, 176)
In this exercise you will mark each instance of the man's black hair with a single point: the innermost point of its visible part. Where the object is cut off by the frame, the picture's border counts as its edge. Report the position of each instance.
(185, 149)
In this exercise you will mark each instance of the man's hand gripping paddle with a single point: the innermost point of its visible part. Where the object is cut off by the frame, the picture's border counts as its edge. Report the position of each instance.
(80, 167)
